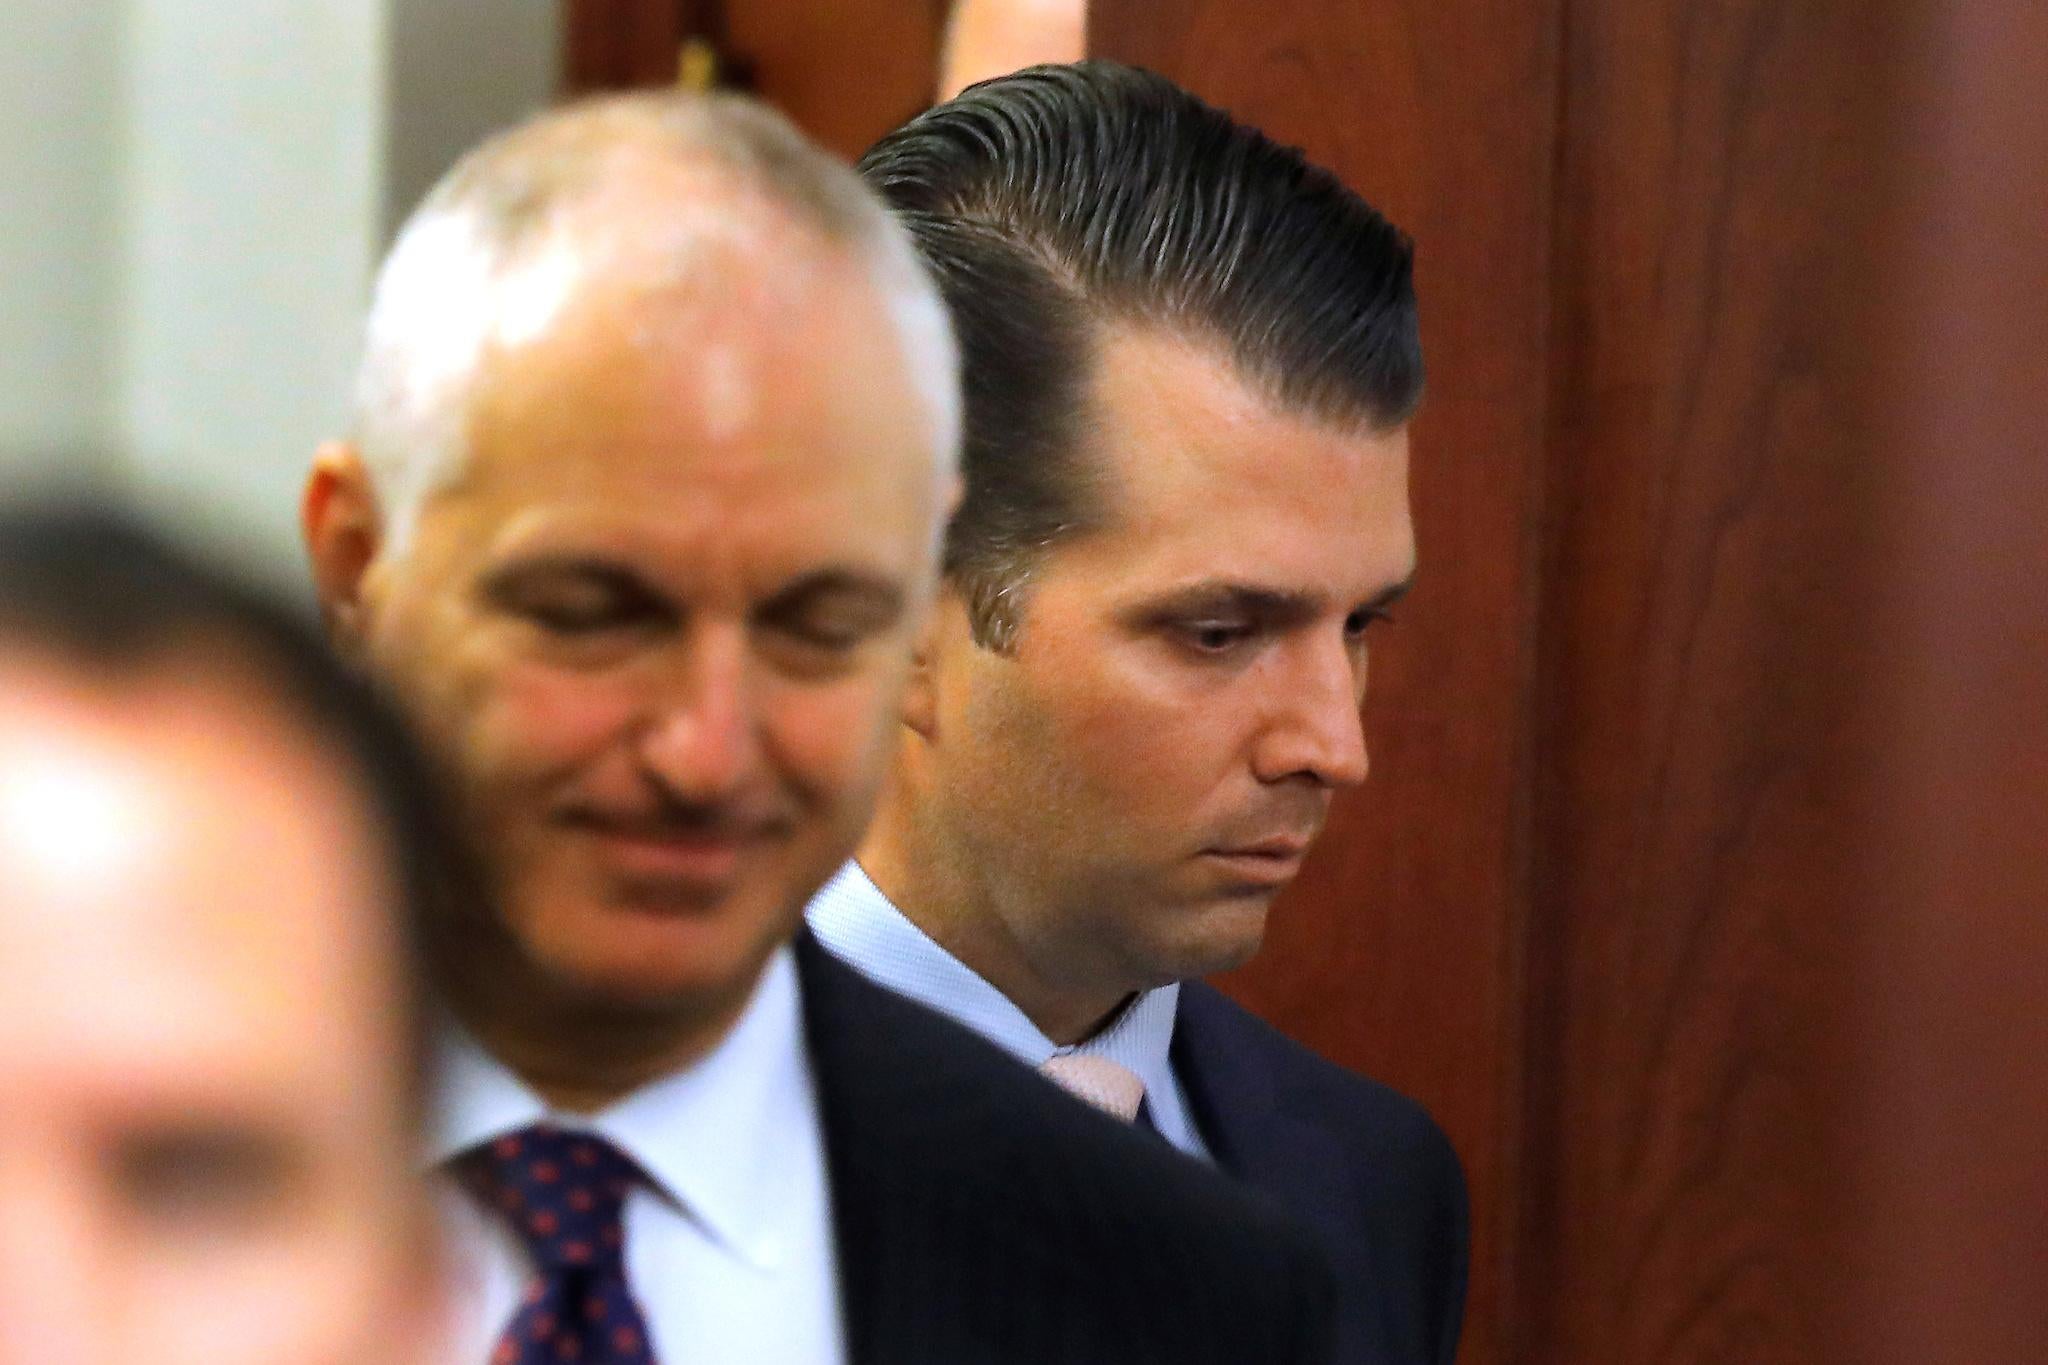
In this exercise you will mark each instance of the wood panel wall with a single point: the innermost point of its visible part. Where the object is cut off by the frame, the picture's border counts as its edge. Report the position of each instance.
(624, 44)
(1656, 895)
(1944, 1142)
(1710, 543)
(846, 73)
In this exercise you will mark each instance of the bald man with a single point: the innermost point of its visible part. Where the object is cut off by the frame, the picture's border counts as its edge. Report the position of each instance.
(655, 441)
(208, 1036)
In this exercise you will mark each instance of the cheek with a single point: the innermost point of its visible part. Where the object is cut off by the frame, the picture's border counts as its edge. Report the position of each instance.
(532, 722)
(301, 1293)
(832, 742)
(1124, 730)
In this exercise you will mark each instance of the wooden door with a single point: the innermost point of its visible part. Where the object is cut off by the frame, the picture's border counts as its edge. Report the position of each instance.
(846, 73)
(1696, 886)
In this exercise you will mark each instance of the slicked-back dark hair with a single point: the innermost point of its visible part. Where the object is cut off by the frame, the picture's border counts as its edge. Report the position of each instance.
(1060, 197)
(105, 597)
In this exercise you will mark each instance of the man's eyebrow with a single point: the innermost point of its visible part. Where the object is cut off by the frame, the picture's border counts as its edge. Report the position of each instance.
(1224, 598)
(1389, 595)
(1221, 597)
(506, 582)
(526, 568)
(837, 581)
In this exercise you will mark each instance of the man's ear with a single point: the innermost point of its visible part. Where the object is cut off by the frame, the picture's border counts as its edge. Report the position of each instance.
(338, 520)
(921, 693)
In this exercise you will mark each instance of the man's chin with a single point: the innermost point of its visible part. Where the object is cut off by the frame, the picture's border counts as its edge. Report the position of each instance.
(1210, 938)
(641, 963)
(651, 990)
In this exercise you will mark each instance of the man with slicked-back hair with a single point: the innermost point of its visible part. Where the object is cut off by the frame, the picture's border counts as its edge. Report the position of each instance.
(1190, 361)
(655, 441)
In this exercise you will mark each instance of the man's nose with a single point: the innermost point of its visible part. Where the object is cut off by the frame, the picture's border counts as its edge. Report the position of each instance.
(701, 743)
(1314, 728)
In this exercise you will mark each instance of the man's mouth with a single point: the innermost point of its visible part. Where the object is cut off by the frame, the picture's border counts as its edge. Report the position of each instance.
(1287, 846)
(705, 856)
(1268, 862)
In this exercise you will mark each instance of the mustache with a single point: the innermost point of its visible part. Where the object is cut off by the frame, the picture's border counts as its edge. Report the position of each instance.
(664, 815)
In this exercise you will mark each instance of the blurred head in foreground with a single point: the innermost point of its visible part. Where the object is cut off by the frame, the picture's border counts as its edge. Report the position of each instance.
(653, 447)
(208, 1039)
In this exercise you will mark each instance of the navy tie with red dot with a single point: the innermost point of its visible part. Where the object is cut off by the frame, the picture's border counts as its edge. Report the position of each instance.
(564, 1193)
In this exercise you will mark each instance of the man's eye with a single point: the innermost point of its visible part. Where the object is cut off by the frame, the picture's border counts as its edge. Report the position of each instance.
(205, 1178)
(815, 645)
(575, 602)
(826, 632)
(579, 613)
(1363, 619)
(830, 624)
(1215, 637)
(573, 617)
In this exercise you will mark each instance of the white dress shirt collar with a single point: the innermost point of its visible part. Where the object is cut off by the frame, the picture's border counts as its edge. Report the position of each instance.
(712, 1136)
(859, 924)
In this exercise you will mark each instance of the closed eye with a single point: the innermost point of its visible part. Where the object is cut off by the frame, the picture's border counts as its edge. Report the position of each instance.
(576, 599)
(832, 612)
(196, 1175)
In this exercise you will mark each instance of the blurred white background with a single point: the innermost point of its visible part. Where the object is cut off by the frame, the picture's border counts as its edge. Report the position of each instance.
(193, 198)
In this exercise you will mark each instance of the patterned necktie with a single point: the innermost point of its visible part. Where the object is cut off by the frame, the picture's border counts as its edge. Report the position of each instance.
(563, 1194)
(1110, 1086)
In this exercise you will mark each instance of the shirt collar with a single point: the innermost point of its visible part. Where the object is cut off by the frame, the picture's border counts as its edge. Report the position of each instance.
(715, 1137)
(852, 917)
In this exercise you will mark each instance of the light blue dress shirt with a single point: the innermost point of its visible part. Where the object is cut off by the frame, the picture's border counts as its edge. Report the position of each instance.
(860, 925)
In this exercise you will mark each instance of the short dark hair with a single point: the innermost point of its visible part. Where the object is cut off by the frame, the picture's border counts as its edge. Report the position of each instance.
(100, 593)
(1050, 200)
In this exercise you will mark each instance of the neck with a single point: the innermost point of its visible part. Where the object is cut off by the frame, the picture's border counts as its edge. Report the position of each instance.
(579, 1053)
(976, 920)
(582, 1062)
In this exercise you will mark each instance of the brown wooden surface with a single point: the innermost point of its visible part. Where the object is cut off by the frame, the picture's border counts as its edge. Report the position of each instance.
(1787, 1060)
(1947, 1143)
(1707, 649)
(1397, 952)
(620, 44)
(846, 73)
(1697, 885)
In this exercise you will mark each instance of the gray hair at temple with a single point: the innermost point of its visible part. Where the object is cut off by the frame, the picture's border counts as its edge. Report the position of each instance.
(498, 244)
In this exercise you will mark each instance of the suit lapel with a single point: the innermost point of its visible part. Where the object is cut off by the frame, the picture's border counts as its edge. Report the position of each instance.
(899, 1120)
(1248, 1122)
(845, 1067)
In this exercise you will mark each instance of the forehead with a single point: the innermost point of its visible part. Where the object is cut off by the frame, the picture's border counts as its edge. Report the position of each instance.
(1204, 475)
(191, 888)
(773, 407)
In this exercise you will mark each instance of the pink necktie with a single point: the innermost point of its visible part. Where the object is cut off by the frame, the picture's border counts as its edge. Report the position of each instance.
(1110, 1086)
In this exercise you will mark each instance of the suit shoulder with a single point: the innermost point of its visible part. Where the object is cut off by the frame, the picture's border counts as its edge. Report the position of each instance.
(1370, 1115)
(1388, 1194)
(953, 1146)
(982, 1085)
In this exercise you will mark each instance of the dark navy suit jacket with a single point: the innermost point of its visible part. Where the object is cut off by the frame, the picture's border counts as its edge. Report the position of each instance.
(984, 1217)
(1363, 1167)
